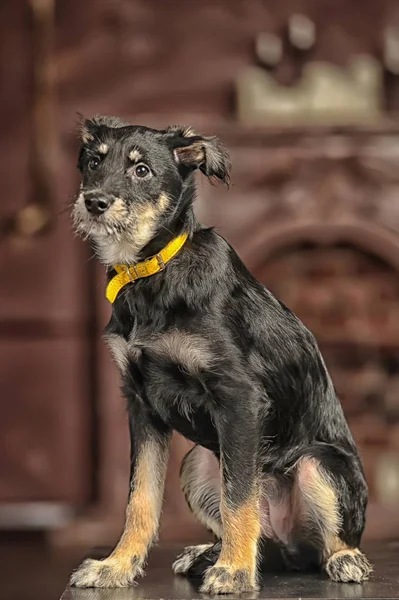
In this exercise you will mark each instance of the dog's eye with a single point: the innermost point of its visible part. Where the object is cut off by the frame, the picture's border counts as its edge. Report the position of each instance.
(141, 171)
(94, 162)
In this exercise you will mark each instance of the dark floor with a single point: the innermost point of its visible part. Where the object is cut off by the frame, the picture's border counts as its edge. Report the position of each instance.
(29, 570)
(161, 584)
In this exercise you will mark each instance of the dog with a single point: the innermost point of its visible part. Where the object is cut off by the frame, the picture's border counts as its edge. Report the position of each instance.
(205, 350)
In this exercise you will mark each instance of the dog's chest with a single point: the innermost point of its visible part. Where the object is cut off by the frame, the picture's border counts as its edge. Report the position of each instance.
(166, 370)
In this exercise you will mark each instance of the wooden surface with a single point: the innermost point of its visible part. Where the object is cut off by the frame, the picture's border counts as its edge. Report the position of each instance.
(30, 569)
(160, 583)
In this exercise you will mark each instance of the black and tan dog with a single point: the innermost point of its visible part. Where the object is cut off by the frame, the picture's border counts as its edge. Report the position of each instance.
(204, 349)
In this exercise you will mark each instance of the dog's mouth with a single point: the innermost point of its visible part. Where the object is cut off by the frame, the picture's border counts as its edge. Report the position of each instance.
(119, 230)
(100, 216)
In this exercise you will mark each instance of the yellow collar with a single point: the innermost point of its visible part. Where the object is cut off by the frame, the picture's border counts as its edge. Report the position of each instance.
(126, 274)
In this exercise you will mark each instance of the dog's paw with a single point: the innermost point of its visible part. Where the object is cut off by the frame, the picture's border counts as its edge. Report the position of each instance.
(107, 573)
(349, 566)
(225, 580)
(187, 558)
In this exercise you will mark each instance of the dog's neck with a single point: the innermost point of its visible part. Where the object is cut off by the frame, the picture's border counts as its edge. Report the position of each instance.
(184, 223)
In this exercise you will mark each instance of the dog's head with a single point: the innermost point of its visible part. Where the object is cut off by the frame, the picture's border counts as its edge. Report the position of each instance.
(134, 179)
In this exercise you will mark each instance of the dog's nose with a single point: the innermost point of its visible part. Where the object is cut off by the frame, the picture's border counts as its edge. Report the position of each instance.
(96, 205)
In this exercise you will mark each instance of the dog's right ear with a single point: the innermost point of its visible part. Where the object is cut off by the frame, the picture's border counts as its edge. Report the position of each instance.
(88, 128)
(193, 151)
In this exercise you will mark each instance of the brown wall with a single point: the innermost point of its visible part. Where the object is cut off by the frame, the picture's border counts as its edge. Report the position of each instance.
(62, 433)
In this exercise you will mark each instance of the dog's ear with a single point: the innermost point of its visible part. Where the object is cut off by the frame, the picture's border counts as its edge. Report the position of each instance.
(193, 151)
(88, 128)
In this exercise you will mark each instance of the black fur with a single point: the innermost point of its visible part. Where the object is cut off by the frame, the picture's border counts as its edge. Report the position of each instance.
(266, 399)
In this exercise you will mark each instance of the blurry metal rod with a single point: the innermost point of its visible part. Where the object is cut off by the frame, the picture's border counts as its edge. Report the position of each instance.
(35, 217)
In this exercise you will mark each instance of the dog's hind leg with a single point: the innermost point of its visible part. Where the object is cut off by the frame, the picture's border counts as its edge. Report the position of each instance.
(329, 501)
(195, 560)
(200, 482)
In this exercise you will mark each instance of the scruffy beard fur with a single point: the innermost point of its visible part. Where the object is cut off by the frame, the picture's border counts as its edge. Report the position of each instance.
(120, 234)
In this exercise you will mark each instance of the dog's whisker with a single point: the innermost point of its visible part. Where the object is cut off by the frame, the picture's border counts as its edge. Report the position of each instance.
(67, 208)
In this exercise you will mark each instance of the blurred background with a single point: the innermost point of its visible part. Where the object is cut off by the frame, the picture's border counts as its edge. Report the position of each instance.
(305, 94)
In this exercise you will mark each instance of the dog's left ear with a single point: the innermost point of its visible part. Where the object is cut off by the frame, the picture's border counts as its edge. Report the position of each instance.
(195, 151)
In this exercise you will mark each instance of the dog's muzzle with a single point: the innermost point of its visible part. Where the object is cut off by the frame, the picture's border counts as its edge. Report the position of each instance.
(96, 204)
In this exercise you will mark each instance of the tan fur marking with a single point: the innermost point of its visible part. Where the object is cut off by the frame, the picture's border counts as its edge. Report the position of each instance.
(143, 226)
(141, 525)
(189, 132)
(103, 148)
(117, 209)
(241, 531)
(147, 219)
(119, 349)
(144, 507)
(337, 545)
(317, 501)
(163, 201)
(84, 133)
(184, 131)
(135, 155)
(191, 351)
(191, 154)
(346, 550)
(86, 137)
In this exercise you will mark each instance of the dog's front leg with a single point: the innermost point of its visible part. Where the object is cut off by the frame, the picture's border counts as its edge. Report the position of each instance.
(149, 455)
(235, 570)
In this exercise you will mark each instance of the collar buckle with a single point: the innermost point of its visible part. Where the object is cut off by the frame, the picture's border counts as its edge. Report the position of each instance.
(130, 275)
(161, 263)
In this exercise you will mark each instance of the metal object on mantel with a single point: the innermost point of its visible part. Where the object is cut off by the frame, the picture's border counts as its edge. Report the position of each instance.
(326, 94)
(301, 31)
